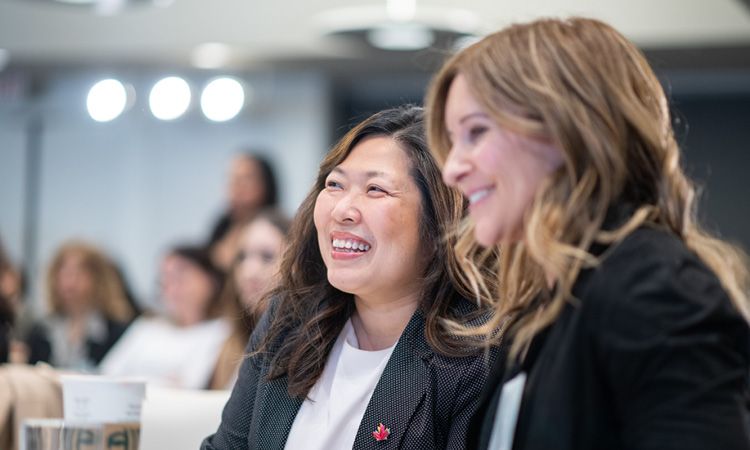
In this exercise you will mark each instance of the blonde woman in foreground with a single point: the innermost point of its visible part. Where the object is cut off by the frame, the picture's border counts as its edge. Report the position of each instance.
(627, 320)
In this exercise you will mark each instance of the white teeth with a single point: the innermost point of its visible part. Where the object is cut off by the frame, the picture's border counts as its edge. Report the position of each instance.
(478, 195)
(349, 245)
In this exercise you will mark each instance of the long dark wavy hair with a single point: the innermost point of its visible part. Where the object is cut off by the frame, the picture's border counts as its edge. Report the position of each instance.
(309, 313)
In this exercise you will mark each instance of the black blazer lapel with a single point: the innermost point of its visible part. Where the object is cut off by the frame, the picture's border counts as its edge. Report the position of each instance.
(400, 390)
(276, 412)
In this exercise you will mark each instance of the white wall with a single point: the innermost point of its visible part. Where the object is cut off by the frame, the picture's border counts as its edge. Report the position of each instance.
(137, 185)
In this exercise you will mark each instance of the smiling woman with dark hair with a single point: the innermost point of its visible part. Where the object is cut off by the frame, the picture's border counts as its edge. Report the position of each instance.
(354, 349)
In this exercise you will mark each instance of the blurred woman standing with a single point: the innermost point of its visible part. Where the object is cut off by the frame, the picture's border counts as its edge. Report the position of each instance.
(252, 187)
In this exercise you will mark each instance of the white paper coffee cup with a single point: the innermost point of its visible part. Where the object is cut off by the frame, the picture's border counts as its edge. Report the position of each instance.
(101, 399)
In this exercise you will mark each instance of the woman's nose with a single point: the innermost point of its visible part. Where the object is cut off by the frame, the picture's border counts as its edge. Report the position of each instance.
(347, 210)
(252, 266)
(455, 168)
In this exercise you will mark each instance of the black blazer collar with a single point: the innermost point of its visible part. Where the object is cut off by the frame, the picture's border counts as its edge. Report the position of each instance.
(399, 392)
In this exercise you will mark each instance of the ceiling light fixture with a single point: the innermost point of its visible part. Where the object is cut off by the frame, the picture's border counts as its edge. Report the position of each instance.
(109, 7)
(107, 99)
(222, 99)
(401, 37)
(400, 24)
(169, 98)
(211, 55)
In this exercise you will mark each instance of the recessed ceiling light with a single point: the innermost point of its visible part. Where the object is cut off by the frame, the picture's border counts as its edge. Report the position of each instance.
(211, 55)
(107, 99)
(169, 98)
(222, 99)
(400, 24)
(401, 37)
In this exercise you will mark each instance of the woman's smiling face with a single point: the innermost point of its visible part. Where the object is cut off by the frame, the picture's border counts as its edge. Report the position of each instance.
(499, 171)
(367, 218)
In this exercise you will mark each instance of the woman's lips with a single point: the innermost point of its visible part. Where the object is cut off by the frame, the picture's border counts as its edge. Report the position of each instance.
(348, 245)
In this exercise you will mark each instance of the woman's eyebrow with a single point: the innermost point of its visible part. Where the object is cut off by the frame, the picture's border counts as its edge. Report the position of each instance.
(472, 115)
(367, 174)
(377, 173)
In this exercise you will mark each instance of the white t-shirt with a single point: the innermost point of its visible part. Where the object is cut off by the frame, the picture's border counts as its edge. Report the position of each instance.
(166, 354)
(330, 416)
(506, 416)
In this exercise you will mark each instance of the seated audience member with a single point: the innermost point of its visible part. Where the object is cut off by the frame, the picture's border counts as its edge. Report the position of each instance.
(6, 328)
(181, 348)
(253, 274)
(88, 306)
(628, 321)
(252, 187)
(7, 311)
(28, 342)
(353, 351)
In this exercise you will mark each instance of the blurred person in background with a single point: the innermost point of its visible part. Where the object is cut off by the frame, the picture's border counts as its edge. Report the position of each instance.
(7, 313)
(254, 272)
(29, 342)
(89, 308)
(179, 349)
(252, 186)
(6, 326)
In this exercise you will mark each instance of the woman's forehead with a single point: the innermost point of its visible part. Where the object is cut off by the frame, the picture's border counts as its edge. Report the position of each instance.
(376, 157)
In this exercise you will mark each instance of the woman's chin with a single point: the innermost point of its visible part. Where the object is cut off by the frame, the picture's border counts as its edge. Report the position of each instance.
(343, 284)
(486, 236)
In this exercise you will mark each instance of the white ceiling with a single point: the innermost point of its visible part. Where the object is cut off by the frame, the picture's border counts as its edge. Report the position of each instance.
(37, 32)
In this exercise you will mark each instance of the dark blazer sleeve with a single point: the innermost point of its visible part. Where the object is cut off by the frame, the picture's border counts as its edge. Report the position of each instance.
(467, 400)
(674, 351)
(237, 416)
(37, 339)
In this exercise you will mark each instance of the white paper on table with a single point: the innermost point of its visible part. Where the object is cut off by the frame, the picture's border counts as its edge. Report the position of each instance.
(179, 418)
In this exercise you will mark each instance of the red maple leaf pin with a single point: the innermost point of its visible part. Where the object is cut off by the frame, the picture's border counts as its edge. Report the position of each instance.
(382, 433)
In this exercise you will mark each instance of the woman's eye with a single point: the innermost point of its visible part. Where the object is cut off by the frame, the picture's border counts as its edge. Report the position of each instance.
(376, 189)
(476, 131)
(332, 184)
(267, 257)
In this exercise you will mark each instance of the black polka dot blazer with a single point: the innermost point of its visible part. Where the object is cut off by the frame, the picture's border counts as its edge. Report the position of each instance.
(425, 399)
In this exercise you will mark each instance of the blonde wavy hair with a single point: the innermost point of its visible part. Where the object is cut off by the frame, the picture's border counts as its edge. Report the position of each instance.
(108, 295)
(581, 85)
